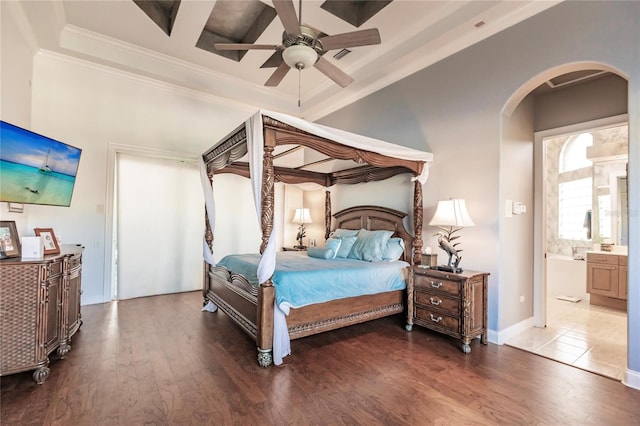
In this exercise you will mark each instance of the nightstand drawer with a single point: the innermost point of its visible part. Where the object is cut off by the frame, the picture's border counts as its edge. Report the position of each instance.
(431, 300)
(437, 284)
(435, 318)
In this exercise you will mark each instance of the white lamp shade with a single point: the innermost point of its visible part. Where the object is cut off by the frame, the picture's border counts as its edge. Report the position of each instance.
(302, 216)
(451, 213)
(299, 56)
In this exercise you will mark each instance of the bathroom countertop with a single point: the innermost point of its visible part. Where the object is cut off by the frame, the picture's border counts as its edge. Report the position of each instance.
(616, 250)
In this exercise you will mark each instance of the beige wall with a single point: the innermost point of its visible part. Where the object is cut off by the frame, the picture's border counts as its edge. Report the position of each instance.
(599, 98)
(16, 69)
(15, 86)
(516, 231)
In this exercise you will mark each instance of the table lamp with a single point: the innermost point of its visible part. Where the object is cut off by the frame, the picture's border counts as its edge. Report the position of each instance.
(302, 216)
(451, 216)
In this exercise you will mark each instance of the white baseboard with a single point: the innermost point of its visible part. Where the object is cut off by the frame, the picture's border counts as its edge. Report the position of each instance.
(499, 337)
(631, 379)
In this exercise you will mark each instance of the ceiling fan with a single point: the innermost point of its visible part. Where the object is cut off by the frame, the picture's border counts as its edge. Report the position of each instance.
(303, 46)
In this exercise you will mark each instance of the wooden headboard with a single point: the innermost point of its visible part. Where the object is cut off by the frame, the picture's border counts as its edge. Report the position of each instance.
(375, 218)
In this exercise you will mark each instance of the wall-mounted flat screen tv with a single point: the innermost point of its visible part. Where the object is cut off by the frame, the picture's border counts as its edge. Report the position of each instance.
(35, 169)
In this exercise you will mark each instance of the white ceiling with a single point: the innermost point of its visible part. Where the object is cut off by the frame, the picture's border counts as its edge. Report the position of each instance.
(118, 34)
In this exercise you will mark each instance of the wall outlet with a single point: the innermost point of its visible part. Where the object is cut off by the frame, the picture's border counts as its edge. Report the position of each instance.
(521, 299)
(519, 208)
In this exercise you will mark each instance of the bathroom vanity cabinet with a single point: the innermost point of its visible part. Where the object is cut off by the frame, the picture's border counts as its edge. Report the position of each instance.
(607, 279)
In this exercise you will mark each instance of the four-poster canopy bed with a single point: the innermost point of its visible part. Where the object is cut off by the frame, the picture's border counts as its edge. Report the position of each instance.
(256, 150)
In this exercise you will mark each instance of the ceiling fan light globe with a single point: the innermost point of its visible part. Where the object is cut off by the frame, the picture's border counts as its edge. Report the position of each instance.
(299, 56)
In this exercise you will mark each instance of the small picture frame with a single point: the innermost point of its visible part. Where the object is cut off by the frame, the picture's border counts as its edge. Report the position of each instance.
(49, 239)
(9, 240)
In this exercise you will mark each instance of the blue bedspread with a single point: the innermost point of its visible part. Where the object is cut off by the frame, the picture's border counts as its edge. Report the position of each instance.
(300, 280)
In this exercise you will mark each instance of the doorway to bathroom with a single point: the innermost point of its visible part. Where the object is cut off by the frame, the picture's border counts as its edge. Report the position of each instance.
(583, 175)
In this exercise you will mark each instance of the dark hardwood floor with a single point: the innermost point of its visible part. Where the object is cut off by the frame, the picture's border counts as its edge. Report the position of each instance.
(159, 360)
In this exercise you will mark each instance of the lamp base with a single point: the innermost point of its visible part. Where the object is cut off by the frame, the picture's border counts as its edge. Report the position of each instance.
(448, 269)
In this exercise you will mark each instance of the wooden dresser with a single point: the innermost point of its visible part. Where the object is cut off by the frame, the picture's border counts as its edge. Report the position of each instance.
(453, 304)
(40, 310)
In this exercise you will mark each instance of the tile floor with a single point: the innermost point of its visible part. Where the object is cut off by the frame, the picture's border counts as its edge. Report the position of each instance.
(589, 337)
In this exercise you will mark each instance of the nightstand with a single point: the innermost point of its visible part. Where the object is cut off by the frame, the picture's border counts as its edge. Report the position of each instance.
(293, 249)
(453, 304)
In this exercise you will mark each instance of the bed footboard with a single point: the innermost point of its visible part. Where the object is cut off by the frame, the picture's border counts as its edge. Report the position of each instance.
(250, 308)
(314, 319)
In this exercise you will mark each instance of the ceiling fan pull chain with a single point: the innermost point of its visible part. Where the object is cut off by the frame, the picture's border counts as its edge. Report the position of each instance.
(299, 78)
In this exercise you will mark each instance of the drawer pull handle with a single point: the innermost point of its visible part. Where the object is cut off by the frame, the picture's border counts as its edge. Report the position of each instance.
(434, 285)
(434, 319)
(435, 302)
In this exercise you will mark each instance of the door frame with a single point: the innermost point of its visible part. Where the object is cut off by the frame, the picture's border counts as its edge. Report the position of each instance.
(108, 286)
(540, 207)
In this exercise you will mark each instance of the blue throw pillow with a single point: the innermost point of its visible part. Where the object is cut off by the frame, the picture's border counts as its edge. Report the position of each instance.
(345, 246)
(333, 244)
(394, 249)
(370, 245)
(340, 233)
(321, 253)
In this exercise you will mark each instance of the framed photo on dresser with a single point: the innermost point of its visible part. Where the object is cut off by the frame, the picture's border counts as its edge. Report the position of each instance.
(49, 239)
(9, 240)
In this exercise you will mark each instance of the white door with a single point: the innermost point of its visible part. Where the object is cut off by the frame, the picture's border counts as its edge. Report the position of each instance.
(160, 223)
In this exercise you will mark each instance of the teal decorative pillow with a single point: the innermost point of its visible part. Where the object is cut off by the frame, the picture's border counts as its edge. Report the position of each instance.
(370, 245)
(394, 249)
(345, 246)
(333, 244)
(340, 233)
(321, 253)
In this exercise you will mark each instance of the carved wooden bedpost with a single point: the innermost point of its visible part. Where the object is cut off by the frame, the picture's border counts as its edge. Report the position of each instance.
(417, 222)
(208, 237)
(266, 292)
(327, 214)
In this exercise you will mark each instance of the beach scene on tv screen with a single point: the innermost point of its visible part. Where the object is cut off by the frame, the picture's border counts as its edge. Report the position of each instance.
(35, 169)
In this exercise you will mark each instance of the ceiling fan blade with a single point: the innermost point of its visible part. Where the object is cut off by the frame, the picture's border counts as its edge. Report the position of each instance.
(277, 75)
(274, 60)
(333, 72)
(287, 14)
(351, 39)
(243, 46)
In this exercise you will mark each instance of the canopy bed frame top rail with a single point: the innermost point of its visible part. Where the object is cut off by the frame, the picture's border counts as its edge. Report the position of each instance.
(224, 156)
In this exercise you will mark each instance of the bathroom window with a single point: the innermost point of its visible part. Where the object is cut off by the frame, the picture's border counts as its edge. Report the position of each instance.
(574, 152)
(575, 202)
(575, 188)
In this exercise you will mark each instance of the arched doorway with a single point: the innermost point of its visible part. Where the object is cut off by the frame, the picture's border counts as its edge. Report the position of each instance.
(577, 110)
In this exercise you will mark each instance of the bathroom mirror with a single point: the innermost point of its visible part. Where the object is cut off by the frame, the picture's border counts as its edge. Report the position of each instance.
(610, 211)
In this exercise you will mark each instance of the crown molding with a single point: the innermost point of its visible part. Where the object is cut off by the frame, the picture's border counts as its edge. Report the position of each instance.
(123, 55)
(148, 81)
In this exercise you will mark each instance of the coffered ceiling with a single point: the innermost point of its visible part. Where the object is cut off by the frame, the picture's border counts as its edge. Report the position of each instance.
(171, 41)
